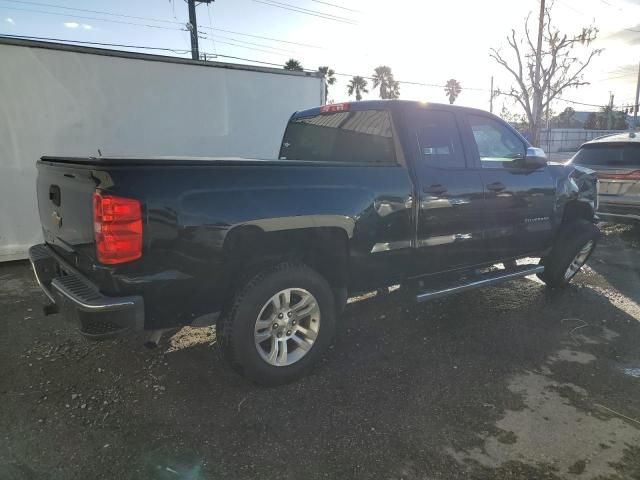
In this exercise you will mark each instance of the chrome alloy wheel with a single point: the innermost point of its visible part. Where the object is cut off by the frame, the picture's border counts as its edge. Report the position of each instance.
(287, 327)
(578, 260)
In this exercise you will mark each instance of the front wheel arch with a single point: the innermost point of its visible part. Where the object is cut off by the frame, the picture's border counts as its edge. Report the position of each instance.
(571, 240)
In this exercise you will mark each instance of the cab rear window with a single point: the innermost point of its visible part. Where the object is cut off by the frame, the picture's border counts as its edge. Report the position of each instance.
(360, 136)
(608, 154)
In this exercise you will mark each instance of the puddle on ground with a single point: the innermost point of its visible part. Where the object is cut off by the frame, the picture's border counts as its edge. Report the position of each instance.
(567, 355)
(632, 372)
(552, 431)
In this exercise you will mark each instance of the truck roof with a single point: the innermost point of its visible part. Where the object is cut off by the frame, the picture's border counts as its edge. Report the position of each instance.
(386, 105)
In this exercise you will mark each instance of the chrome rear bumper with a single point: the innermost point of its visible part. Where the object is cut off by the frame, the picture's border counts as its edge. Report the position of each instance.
(99, 316)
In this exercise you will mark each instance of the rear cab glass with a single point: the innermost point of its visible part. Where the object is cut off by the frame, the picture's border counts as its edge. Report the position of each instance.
(364, 136)
(619, 154)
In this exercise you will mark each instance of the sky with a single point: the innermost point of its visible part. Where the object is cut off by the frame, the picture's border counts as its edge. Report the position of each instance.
(423, 41)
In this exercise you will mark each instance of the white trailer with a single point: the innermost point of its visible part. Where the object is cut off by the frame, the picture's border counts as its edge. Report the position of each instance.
(58, 99)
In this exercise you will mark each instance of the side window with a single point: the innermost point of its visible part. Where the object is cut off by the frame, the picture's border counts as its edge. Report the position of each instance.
(359, 136)
(439, 140)
(497, 144)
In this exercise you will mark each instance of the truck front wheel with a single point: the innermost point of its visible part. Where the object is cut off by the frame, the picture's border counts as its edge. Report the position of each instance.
(573, 248)
(280, 323)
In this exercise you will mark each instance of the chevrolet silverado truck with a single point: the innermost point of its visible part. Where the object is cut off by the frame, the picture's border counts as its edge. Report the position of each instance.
(364, 195)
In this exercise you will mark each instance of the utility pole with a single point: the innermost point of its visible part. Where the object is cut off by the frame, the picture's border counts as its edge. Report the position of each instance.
(193, 27)
(635, 107)
(548, 126)
(537, 92)
(610, 114)
(491, 96)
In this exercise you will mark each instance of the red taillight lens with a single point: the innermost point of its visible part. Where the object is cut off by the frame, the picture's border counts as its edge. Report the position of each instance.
(334, 107)
(117, 226)
(635, 175)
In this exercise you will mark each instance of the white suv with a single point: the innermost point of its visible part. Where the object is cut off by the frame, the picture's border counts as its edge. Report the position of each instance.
(616, 158)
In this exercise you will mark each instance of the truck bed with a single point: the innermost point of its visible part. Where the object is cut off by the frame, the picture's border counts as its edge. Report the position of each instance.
(160, 161)
(193, 206)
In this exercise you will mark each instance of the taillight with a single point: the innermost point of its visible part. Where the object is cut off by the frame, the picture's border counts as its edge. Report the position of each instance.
(117, 227)
(635, 175)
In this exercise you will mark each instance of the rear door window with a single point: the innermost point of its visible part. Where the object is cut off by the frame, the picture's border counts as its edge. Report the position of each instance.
(439, 140)
(609, 155)
(361, 136)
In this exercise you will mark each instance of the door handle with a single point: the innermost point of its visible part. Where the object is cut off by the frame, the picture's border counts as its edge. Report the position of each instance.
(435, 189)
(496, 186)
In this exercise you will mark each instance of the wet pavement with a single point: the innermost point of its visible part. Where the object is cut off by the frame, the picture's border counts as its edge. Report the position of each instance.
(508, 382)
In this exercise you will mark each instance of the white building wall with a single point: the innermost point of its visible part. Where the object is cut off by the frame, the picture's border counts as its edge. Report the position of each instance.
(61, 102)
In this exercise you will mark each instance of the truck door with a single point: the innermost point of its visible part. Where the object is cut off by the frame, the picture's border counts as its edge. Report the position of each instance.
(449, 229)
(519, 200)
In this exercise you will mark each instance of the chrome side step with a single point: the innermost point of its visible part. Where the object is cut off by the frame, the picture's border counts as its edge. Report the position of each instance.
(480, 281)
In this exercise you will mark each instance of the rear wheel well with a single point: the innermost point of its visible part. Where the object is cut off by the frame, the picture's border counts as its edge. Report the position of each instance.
(325, 249)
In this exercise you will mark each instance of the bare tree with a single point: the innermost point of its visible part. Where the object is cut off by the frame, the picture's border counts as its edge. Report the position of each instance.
(561, 67)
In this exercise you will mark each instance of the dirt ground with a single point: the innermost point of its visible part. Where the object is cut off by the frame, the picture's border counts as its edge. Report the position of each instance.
(509, 382)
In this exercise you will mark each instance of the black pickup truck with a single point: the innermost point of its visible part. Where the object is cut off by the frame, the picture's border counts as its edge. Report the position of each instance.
(363, 196)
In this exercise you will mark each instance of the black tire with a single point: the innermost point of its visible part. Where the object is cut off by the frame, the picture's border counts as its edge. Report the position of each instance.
(572, 239)
(235, 330)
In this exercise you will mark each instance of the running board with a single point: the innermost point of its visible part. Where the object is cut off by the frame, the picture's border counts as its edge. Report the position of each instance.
(480, 281)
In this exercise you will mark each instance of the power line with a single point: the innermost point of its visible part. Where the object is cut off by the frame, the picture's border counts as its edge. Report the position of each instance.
(262, 37)
(276, 49)
(100, 12)
(50, 39)
(277, 3)
(579, 103)
(122, 15)
(262, 45)
(142, 47)
(305, 11)
(93, 18)
(420, 84)
(337, 6)
(242, 46)
(574, 9)
(181, 51)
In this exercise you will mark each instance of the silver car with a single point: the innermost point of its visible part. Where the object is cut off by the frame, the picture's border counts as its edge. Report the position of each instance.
(616, 159)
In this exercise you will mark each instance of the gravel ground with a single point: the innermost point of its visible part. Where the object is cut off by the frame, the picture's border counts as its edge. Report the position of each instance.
(509, 382)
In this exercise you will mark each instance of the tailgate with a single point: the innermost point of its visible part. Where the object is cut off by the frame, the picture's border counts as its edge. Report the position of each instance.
(66, 213)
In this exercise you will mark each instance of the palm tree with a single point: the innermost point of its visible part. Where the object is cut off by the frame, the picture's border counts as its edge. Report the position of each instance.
(358, 85)
(383, 78)
(329, 79)
(294, 65)
(452, 89)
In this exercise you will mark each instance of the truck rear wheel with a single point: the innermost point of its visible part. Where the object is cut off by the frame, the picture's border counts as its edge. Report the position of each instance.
(573, 248)
(280, 323)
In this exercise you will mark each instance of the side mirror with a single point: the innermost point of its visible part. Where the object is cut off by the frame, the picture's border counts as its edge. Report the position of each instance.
(535, 158)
